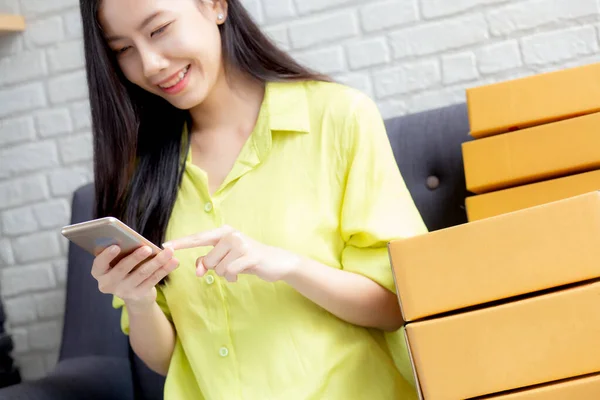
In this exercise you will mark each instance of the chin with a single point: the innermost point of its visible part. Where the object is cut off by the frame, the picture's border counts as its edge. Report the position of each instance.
(189, 102)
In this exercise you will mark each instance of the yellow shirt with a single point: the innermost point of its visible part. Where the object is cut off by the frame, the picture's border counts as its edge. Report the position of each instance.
(317, 177)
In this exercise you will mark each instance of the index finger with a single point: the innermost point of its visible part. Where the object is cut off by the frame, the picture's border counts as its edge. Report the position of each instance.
(102, 261)
(208, 238)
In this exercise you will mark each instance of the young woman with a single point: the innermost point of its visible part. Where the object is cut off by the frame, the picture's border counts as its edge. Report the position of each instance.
(276, 192)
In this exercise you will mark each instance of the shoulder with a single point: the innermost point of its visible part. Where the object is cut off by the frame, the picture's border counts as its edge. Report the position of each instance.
(336, 99)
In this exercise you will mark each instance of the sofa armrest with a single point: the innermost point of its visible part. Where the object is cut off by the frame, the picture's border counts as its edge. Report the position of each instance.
(89, 378)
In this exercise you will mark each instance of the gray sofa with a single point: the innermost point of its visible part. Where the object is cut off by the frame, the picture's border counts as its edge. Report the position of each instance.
(96, 361)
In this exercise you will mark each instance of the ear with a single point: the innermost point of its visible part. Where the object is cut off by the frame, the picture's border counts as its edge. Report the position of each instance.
(220, 8)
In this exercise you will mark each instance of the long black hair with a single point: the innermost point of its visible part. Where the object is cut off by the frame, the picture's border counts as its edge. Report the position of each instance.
(139, 146)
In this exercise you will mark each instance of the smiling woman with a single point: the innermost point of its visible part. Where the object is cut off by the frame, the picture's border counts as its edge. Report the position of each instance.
(276, 191)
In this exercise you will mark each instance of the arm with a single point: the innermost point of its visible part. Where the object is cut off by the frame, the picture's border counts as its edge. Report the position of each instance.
(353, 297)
(154, 349)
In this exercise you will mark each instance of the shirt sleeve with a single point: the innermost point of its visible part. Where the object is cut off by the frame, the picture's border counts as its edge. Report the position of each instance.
(377, 206)
(160, 300)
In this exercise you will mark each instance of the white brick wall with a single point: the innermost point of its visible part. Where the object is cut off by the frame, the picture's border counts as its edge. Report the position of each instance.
(410, 55)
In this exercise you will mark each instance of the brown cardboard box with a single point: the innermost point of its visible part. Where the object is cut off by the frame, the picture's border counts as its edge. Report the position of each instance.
(528, 342)
(587, 388)
(533, 100)
(497, 258)
(534, 154)
(518, 198)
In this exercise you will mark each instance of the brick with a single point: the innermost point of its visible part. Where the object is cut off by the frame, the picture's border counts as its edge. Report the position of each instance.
(66, 56)
(36, 247)
(279, 35)
(44, 32)
(440, 8)
(382, 15)
(436, 99)
(254, 9)
(66, 88)
(51, 359)
(63, 182)
(22, 67)
(436, 37)
(6, 254)
(51, 122)
(21, 98)
(26, 278)
(31, 367)
(310, 6)
(52, 214)
(29, 157)
(9, 6)
(20, 339)
(535, 13)
(18, 192)
(279, 9)
(76, 148)
(19, 221)
(357, 80)
(407, 78)
(499, 57)
(50, 304)
(551, 47)
(318, 30)
(392, 108)
(368, 53)
(327, 61)
(33, 8)
(459, 67)
(11, 45)
(44, 335)
(16, 130)
(60, 271)
(81, 115)
(72, 23)
(20, 310)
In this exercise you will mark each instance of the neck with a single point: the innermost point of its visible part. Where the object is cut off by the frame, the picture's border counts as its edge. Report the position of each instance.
(233, 105)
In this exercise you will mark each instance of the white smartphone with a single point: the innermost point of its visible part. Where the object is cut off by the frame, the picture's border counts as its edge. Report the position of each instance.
(96, 235)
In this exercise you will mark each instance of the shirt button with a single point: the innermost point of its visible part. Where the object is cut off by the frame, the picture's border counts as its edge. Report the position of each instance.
(223, 352)
(208, 207)
(210, 279)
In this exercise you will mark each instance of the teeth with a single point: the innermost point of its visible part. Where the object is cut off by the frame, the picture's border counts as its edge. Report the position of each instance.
(176, 80)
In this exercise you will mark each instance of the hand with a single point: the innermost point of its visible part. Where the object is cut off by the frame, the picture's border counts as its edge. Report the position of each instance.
(234, 253)
(133, 286)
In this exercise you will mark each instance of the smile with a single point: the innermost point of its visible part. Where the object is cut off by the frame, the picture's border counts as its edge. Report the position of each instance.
(177, 83)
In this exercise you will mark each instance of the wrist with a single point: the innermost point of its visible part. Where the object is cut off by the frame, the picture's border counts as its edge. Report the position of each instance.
(140, 306)
(296, 268)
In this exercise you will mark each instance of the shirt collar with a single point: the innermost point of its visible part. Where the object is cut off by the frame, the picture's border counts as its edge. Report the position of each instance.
(287, 103)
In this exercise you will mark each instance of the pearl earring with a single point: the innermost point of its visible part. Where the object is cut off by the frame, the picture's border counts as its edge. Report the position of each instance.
(220, 17)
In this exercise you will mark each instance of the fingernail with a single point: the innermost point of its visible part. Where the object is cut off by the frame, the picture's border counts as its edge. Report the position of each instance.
(114, 250)
(146, 251)
(167, 244)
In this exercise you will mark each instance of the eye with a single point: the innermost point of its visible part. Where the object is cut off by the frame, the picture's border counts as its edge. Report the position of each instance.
(121, 51)
(160, 30)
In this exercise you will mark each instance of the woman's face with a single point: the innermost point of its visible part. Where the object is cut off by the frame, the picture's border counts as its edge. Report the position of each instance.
(171, 48)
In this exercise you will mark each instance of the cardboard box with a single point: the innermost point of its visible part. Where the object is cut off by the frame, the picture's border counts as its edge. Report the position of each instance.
(528, 342)
(497, 258)
(587, 388)
(514, 199)
(532, 155)
(533, 100)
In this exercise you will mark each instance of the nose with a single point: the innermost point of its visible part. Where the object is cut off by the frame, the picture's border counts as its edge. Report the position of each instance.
(153, 62)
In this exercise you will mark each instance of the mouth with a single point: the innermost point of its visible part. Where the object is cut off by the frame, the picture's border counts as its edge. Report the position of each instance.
(177, 83)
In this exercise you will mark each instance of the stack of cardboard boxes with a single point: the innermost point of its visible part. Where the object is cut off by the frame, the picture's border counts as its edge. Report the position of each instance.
(536, 140)
(509, 307)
